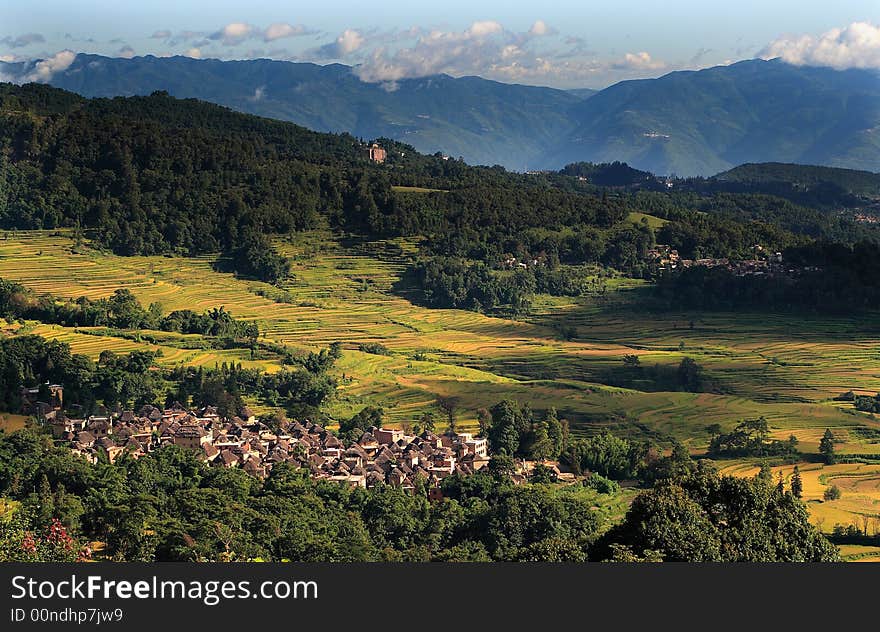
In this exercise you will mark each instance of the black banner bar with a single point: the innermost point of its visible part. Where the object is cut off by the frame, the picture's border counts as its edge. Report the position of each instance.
(427, 596)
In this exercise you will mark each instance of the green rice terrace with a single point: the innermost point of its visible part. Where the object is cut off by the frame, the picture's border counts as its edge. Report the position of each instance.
(788, 369)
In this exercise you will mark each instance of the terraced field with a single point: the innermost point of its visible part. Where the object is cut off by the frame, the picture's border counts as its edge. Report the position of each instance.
(784, 368)
(860, 553)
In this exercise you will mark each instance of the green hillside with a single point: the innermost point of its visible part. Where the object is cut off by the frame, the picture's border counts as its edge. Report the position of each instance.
(804, 177)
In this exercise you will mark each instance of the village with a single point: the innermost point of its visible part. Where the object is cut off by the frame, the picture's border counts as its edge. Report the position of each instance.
(379, 456)
(763, 262)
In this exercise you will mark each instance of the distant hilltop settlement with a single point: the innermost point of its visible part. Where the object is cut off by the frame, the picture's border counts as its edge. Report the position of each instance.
(380, 456)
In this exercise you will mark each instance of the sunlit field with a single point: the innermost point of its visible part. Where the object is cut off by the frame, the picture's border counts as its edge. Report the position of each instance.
(785, 368)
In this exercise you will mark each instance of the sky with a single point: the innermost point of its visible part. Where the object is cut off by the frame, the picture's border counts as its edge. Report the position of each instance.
(560, 43)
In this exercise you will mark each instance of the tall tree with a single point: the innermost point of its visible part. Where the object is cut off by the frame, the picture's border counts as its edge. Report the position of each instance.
(797, 485)
(826, 447)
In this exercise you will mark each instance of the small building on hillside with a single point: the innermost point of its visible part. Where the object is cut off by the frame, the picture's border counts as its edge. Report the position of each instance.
(377, 154)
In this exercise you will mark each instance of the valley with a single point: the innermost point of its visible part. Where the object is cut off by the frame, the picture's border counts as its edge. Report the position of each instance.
(259, 313)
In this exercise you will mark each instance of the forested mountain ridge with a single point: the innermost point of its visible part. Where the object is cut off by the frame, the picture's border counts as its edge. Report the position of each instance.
(485, 121)
(804, 177)
(155, 174)
(687, 123)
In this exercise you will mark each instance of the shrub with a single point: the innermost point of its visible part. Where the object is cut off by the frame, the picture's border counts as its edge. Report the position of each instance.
(832, 493)
(375, 348)
(601, 484)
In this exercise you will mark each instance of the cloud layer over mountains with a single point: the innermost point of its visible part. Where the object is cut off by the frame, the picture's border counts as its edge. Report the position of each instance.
(539, 55)
(854, 46)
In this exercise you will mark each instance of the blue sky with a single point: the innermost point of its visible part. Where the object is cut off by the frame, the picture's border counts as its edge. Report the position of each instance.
(564, 43)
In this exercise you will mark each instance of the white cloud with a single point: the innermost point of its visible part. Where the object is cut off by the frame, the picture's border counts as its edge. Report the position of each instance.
(8, 59)
(545, 71)
(489, 50)
(454, 52)
(281, 30)
(259, 94)
(540, 29)
(190, 38)
(126, 52)
(45, 69)
(639, 61)
(484, 28)
(195, 53)
(853, 46)
(349, 41)
(510, 51)
(233, 33)
(164, 34)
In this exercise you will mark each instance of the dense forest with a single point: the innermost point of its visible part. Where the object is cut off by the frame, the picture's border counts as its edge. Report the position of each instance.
(830, 277)
(170, 506)
(803, 177)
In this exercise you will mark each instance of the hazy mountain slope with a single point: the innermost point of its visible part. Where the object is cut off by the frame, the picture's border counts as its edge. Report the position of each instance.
(706, 121)
(583, 93)
(483, 121)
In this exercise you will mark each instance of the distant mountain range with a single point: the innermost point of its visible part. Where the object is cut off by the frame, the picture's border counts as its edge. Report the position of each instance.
(702, 122)
(686, 123)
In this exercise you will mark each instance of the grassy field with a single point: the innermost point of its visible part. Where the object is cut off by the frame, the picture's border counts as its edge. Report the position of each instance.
(654, 222)
(860, 553)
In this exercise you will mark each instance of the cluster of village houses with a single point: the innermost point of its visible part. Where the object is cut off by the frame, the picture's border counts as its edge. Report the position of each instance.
(667, 258)
(380, 455)
(764, 262)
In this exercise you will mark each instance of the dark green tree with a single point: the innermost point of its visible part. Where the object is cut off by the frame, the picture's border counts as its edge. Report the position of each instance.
(826, 447)
(797, 485)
